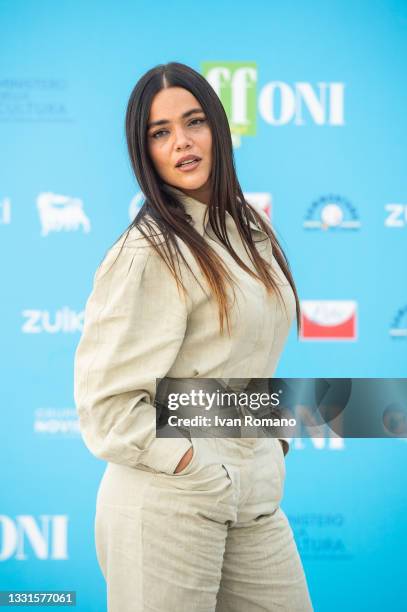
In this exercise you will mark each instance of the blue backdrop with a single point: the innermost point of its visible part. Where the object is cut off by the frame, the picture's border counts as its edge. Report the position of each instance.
(316, 97)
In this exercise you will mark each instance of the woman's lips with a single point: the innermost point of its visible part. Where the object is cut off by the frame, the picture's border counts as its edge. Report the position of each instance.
(189, 167)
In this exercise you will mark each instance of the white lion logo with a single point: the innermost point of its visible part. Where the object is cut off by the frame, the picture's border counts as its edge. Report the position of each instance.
(58, 212)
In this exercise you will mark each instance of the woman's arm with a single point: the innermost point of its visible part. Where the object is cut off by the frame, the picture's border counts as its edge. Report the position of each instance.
(135, 322)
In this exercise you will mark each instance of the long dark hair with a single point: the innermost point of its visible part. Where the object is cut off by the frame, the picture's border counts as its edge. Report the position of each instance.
(163, 215)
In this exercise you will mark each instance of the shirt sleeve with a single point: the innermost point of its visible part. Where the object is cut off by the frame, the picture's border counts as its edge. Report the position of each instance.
(134, 324)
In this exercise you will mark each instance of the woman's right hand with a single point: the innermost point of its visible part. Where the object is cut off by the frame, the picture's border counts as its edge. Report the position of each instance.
(185, 460)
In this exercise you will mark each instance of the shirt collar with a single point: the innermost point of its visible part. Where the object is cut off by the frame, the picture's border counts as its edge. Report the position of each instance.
(193, 207)
(197, 210)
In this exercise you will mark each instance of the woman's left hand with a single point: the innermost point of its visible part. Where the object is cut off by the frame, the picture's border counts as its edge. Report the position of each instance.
(284, 445)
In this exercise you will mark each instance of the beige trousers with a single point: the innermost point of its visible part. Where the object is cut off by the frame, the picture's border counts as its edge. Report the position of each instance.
(212, 538)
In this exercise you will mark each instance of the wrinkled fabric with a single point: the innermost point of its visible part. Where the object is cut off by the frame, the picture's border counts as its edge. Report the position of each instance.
(138, 327)
(210, 538)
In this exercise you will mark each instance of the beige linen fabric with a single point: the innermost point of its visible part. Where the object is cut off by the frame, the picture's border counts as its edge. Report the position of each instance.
(212, 537)
(137, 328)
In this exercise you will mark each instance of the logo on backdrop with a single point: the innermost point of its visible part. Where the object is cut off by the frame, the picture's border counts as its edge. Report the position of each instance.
(56, 422)
(26, 536)
(328, 320)
(261, 200)
(59, 212)
(331, 212)
(135, 205)
(396, 215)
(398, 327)
(5, 211)
(64, 320)
(320, 536)
(279, 103)
(35, 98)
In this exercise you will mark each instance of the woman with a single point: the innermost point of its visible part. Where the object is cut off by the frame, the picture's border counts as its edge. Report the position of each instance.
(196, 287)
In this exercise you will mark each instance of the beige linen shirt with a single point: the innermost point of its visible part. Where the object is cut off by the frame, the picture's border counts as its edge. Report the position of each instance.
(138, 328)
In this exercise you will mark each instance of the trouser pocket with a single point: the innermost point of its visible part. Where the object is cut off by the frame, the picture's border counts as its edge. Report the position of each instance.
(206, 472)
(190, 467)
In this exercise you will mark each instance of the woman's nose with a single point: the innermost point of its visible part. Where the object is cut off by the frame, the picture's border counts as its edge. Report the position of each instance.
(181, 138)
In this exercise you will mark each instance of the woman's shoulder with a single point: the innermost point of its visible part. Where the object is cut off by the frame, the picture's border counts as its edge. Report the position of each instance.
(139, 239)
(134, 238)
(133, 250)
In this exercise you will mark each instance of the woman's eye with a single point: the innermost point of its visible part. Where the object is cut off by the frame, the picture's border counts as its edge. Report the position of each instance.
(159, 132)
(198, 120)
(156, 135)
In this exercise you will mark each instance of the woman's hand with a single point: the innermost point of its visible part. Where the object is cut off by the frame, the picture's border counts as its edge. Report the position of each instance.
(284, 445)
(185, 460)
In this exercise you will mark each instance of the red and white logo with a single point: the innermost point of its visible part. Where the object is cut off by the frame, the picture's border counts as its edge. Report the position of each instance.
(260, 200)
(328, 320)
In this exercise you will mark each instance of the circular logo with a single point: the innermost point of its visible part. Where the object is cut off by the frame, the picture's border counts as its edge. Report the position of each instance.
(332, 215)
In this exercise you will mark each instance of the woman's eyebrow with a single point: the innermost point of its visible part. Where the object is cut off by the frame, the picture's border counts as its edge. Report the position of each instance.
(183, 116)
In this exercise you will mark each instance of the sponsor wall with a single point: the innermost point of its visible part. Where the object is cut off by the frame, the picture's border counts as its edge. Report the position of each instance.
(316, 100)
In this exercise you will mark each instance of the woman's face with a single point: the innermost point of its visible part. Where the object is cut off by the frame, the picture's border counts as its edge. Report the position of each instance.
(182, 130)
